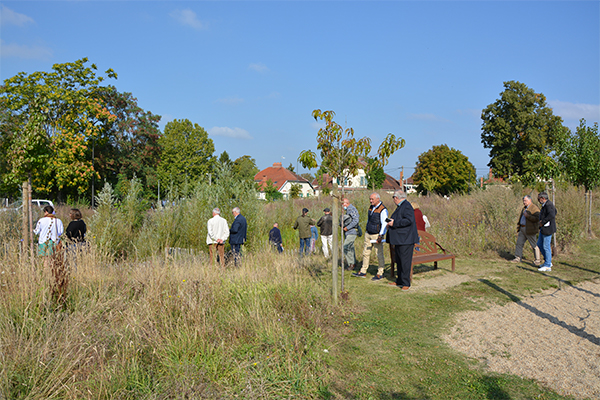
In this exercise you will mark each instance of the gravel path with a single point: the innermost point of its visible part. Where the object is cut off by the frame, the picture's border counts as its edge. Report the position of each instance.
(553, 337)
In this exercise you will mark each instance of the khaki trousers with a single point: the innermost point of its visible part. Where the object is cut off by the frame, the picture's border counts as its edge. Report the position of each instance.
(367, 253)
(521, 239)
(220, 249)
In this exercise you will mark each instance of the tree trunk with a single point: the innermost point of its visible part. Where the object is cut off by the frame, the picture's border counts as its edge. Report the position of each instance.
(334, 244)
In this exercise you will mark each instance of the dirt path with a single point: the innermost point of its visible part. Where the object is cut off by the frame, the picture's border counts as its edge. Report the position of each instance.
(553, 337)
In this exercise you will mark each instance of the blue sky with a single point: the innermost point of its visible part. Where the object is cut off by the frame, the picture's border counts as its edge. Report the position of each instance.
(251, 73)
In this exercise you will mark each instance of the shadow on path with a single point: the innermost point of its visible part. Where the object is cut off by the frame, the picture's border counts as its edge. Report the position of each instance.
(577, 331)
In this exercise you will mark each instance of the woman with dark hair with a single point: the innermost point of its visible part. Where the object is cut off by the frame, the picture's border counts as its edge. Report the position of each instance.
(49, 228)
(76, 229)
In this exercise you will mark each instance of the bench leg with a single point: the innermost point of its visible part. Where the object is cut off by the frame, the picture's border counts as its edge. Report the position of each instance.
(453, 265)
(435, 265)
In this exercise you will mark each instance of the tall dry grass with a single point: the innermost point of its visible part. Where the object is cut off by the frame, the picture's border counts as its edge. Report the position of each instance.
(164, 328)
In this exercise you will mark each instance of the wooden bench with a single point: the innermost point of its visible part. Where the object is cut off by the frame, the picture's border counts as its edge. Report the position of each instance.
(427, 251)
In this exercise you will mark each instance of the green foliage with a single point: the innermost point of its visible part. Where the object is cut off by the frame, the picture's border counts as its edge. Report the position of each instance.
(340, 150)
(579, 155)
(375, 174)
(517, 125)
(187, 155)
(128, 146)
(444, 170)
(271, 192)
(61, 113)
(295, 190)
(244, 168)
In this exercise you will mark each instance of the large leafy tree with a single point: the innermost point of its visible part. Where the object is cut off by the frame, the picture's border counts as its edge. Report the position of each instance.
(49, 121)
(187, 155)
(515, 126)
(444, 170)
(579, 157)
(244, 168)
(129, 146)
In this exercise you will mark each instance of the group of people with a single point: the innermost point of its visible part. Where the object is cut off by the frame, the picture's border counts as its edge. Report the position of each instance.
(400, 230)
(218, 231)
(50, 229)
(531, 221)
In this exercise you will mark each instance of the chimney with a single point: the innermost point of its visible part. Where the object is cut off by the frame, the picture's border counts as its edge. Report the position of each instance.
(277, 165)
(491, 174)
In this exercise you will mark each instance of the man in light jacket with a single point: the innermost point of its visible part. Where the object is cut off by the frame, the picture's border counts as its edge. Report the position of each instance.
(217, 234)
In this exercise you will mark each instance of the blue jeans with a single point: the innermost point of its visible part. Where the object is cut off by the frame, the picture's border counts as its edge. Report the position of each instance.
(544, 244)
(304, 245)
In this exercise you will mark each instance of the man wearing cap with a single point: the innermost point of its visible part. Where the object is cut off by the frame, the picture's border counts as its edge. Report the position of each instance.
(375, 232)
(325, 226)
(303, 223)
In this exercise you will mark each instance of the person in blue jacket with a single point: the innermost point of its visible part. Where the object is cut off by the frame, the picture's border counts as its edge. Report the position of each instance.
(237, 234)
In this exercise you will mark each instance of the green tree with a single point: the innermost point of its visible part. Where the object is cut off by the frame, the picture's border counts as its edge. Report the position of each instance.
(244, 168)
(291, 168)
(187, 155)
(129, 146)
(519, 124)
(579, 156)
(340, 154)
(448, 167)
(295, 190)
(375, 174)
(52, 119)
(271, 192)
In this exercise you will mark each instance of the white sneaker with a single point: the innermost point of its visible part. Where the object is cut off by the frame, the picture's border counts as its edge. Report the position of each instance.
(545, 269)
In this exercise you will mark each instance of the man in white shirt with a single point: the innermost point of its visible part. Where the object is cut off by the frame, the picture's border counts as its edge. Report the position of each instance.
(217, 234)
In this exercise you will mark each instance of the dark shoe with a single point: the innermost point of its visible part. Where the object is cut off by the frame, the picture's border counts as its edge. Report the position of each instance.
(359, 275)
(349, 268)
(377, 278)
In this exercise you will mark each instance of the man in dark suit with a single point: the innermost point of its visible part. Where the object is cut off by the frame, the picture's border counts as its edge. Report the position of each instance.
(403, 235)
(237, 234)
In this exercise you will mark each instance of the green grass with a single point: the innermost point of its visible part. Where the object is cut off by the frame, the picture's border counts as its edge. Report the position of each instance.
(392, 346)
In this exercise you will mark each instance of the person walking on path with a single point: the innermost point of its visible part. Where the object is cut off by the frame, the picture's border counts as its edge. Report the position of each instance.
(237, 234)
(528, 226)
(403, 235)
(325, 224)
(302, 224)
(351, 221)
(275, 238)
(374, 235)
(547, 229)
(217, 234)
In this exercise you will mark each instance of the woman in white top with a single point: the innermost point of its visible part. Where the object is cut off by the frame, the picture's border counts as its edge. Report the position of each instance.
(49, 228)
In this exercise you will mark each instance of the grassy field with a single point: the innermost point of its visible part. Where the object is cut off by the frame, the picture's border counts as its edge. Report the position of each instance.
(158, 327)
(392, 347)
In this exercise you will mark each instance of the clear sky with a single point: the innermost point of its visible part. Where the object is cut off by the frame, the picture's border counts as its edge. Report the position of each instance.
(251, 73)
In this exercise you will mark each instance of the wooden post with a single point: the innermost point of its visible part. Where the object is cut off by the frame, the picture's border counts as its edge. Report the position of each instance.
(30, 220)
(25, 236)
(334, 243)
